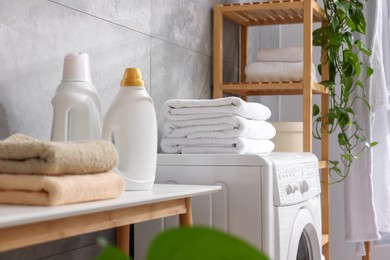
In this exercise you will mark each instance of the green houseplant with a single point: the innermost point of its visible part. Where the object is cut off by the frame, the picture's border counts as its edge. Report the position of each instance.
(344, 56)
(187, 243)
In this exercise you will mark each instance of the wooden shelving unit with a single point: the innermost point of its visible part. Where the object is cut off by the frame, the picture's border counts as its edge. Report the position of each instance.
(305, 12)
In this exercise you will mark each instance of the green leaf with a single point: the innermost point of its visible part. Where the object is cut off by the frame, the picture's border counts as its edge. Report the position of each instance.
(328, 83)
(348, 38)
(187, 243)
(342, 139)
(361, 22)
(350, 23)
(347, 157)
(372, 144)
(335, 40)
(369, 72)
(334, 22)
(342, 6)
(317, 37)
(316, 110)
(363, 48)
(334, 162)
(350, 110)
(110, 251)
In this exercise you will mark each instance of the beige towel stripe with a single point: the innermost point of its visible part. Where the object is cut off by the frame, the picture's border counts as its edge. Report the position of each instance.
(59, 190)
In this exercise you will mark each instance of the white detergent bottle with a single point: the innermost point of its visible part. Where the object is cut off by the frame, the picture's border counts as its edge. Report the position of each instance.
(76, 104)
(131, 123)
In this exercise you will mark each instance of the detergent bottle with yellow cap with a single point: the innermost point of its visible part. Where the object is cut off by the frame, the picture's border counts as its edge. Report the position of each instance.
(131, 124)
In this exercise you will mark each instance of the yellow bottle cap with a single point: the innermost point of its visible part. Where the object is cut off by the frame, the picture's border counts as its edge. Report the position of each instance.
(132, 77)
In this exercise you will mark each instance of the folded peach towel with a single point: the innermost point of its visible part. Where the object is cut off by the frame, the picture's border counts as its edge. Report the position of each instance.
(58, 190)
(21, 154)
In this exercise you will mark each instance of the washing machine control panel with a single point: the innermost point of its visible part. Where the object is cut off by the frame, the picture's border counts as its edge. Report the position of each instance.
(296, 182)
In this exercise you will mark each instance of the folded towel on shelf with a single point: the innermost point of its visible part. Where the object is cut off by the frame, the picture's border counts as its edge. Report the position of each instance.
(169, 130)
(177, 119)
(59, 190)
(276, 71)
(21, 154)
(261, 131)
(221, 106)
(223, 127)
(237, 145)
(289, 54)
(231, 120)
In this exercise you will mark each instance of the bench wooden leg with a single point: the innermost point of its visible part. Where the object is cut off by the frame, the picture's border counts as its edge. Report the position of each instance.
(186, 218)
(123, 238)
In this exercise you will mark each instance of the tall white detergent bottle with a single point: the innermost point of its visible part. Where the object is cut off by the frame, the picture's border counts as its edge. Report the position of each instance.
(131, 123)
(76, 104)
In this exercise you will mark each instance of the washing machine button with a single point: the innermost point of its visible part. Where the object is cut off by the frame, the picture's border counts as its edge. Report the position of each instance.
(304, 186)
(290, 189)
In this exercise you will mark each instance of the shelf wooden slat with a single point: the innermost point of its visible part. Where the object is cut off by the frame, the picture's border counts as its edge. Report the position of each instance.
(268, 13)
(325, 239)
(322, 164)
(271, 88)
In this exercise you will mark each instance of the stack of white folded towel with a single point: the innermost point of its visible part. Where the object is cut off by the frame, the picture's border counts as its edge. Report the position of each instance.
(225, 125)
(280, 64)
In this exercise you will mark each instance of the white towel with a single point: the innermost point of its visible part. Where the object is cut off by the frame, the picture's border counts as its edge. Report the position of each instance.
(178, 119)
(169, 130)
(205, 121)
(223, 127)
(289, 54)
(213, 145)
(221, 106)
(275, 71)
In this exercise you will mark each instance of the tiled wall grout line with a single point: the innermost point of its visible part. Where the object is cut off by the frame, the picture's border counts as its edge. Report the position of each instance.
(125, 27)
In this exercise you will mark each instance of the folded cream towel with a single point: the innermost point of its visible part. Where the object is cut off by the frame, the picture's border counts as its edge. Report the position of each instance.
(223, 127)
(276, 71)
(59, 190)
(225, 106)
(289, 54)
(237, 145)
(21, 154)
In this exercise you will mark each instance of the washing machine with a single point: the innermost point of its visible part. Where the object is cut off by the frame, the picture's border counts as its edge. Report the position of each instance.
(271, 201)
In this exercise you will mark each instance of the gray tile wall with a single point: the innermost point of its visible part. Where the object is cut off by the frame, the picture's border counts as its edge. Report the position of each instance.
(169, 40)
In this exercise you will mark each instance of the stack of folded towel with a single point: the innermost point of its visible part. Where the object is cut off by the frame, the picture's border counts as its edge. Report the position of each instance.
(225, 125)
(34, 172)
(272, 65)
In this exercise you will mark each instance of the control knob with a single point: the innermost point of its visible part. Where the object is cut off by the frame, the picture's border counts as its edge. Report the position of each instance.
(290, 189)
(304, 186)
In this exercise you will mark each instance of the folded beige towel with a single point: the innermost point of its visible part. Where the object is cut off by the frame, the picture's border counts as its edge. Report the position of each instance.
(21, 154)
(59, 190)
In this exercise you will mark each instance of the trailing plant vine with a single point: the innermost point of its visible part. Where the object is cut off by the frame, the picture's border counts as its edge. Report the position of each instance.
(345, 19)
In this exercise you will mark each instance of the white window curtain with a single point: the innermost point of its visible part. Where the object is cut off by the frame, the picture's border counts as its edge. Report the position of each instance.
(367, 188)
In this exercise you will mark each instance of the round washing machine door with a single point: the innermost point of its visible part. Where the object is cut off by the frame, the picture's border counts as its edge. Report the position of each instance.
(305, 240)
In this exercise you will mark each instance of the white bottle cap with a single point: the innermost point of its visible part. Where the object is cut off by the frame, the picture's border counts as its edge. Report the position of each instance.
(76, 67)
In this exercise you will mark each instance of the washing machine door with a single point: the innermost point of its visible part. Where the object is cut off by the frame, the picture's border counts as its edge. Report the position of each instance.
(304, 241)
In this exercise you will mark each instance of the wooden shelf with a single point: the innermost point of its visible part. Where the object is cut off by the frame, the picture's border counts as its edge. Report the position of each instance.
(276, 12)
(325, 239)
(270, 88)
(323, 164)
(268, 13)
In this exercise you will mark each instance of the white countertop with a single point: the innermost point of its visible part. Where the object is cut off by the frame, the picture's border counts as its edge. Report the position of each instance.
(12, 215)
